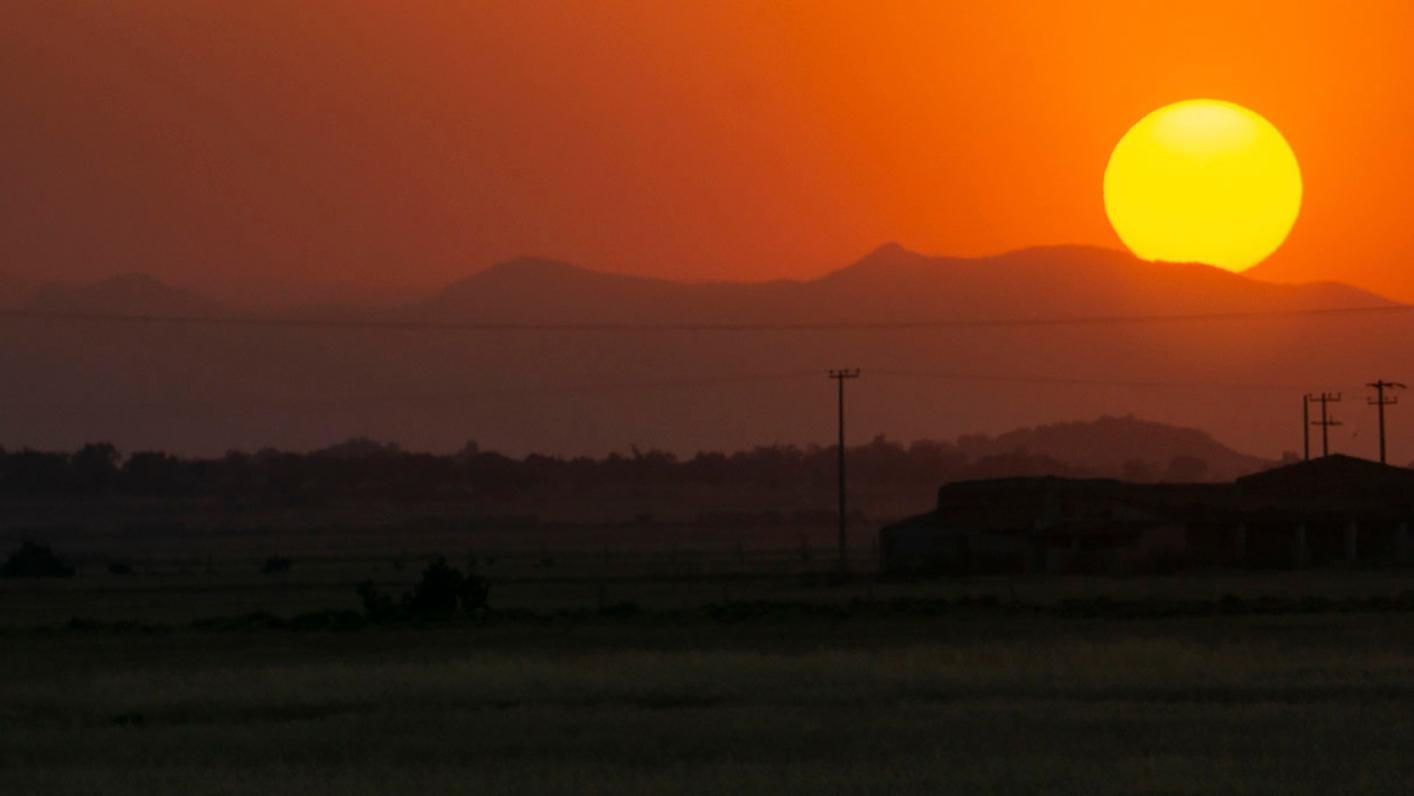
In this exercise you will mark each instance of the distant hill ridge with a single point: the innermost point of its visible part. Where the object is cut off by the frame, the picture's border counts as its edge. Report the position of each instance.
(1108, 446)
(890, 282)
(1119, 445)
(211, 388)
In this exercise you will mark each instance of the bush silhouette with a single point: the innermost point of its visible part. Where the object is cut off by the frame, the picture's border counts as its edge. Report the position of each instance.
(436, 595)
(35, 561)
(275, 565)
(442, 593)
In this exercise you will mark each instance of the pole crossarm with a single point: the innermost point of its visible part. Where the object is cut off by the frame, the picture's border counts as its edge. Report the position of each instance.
(1326, 421)
(1380, 401)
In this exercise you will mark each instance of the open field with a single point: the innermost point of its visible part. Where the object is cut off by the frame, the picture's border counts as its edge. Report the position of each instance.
(723, 677)
(704, 671)
(180, 591)
(1294, 704)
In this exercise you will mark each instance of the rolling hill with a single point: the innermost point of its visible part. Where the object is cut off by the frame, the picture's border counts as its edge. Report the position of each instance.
(889, 284)
(1147, 343)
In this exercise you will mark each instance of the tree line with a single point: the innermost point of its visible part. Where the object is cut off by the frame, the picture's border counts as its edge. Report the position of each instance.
(368, 469)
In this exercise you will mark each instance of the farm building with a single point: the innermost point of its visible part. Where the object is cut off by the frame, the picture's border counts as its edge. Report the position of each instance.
(1332, 510)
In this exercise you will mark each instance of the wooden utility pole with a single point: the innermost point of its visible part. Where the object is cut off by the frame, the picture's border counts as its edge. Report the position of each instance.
(1306, 427)
(840, 376)
(1380, 402)
(1326, 420)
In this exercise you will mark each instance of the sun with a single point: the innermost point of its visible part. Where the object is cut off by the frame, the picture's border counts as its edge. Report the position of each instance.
(1203, 181)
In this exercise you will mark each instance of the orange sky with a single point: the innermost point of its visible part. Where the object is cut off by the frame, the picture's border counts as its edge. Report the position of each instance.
(235, 143)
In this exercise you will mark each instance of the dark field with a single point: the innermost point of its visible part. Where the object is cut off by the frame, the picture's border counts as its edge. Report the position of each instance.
(820, 688)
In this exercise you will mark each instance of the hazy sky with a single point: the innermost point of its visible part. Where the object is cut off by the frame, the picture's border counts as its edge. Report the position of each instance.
(254, 141)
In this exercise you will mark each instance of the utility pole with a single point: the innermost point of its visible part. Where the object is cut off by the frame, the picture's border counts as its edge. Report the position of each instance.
(840, 376)
(1306, 427)
(1326, 420)
(1380, 402)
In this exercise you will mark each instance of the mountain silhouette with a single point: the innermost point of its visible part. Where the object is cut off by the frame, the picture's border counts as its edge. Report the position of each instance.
(889, 284)
(1109, 444)
(207, 388)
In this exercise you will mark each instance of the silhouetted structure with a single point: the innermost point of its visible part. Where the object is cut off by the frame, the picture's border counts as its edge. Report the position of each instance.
(1336, 509)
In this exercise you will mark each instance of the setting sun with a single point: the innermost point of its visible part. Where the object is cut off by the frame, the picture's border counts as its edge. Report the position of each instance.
(1203, 181)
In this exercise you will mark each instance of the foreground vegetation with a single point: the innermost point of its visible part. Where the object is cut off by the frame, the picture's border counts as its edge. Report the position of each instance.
(588, 673)
(956, 703)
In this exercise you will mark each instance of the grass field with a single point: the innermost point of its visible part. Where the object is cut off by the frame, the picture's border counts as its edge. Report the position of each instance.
(178, 590)
(731, 673)
(966, 702)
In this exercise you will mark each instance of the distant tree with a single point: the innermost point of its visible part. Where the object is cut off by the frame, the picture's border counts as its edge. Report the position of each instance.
(35, 561)
(94, 466)
(376, 605)
(152, 473)
(31, 472)
(1018, 463)
(276, 565)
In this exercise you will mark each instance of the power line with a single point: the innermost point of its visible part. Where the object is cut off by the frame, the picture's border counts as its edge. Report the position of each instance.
(414, 325)
(1085, 382)
(645, 386)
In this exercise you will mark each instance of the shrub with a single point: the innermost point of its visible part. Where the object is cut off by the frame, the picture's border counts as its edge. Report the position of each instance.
(436, 594)
(275, 565)
(35, 561)
(442, 592)
(621, 610)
